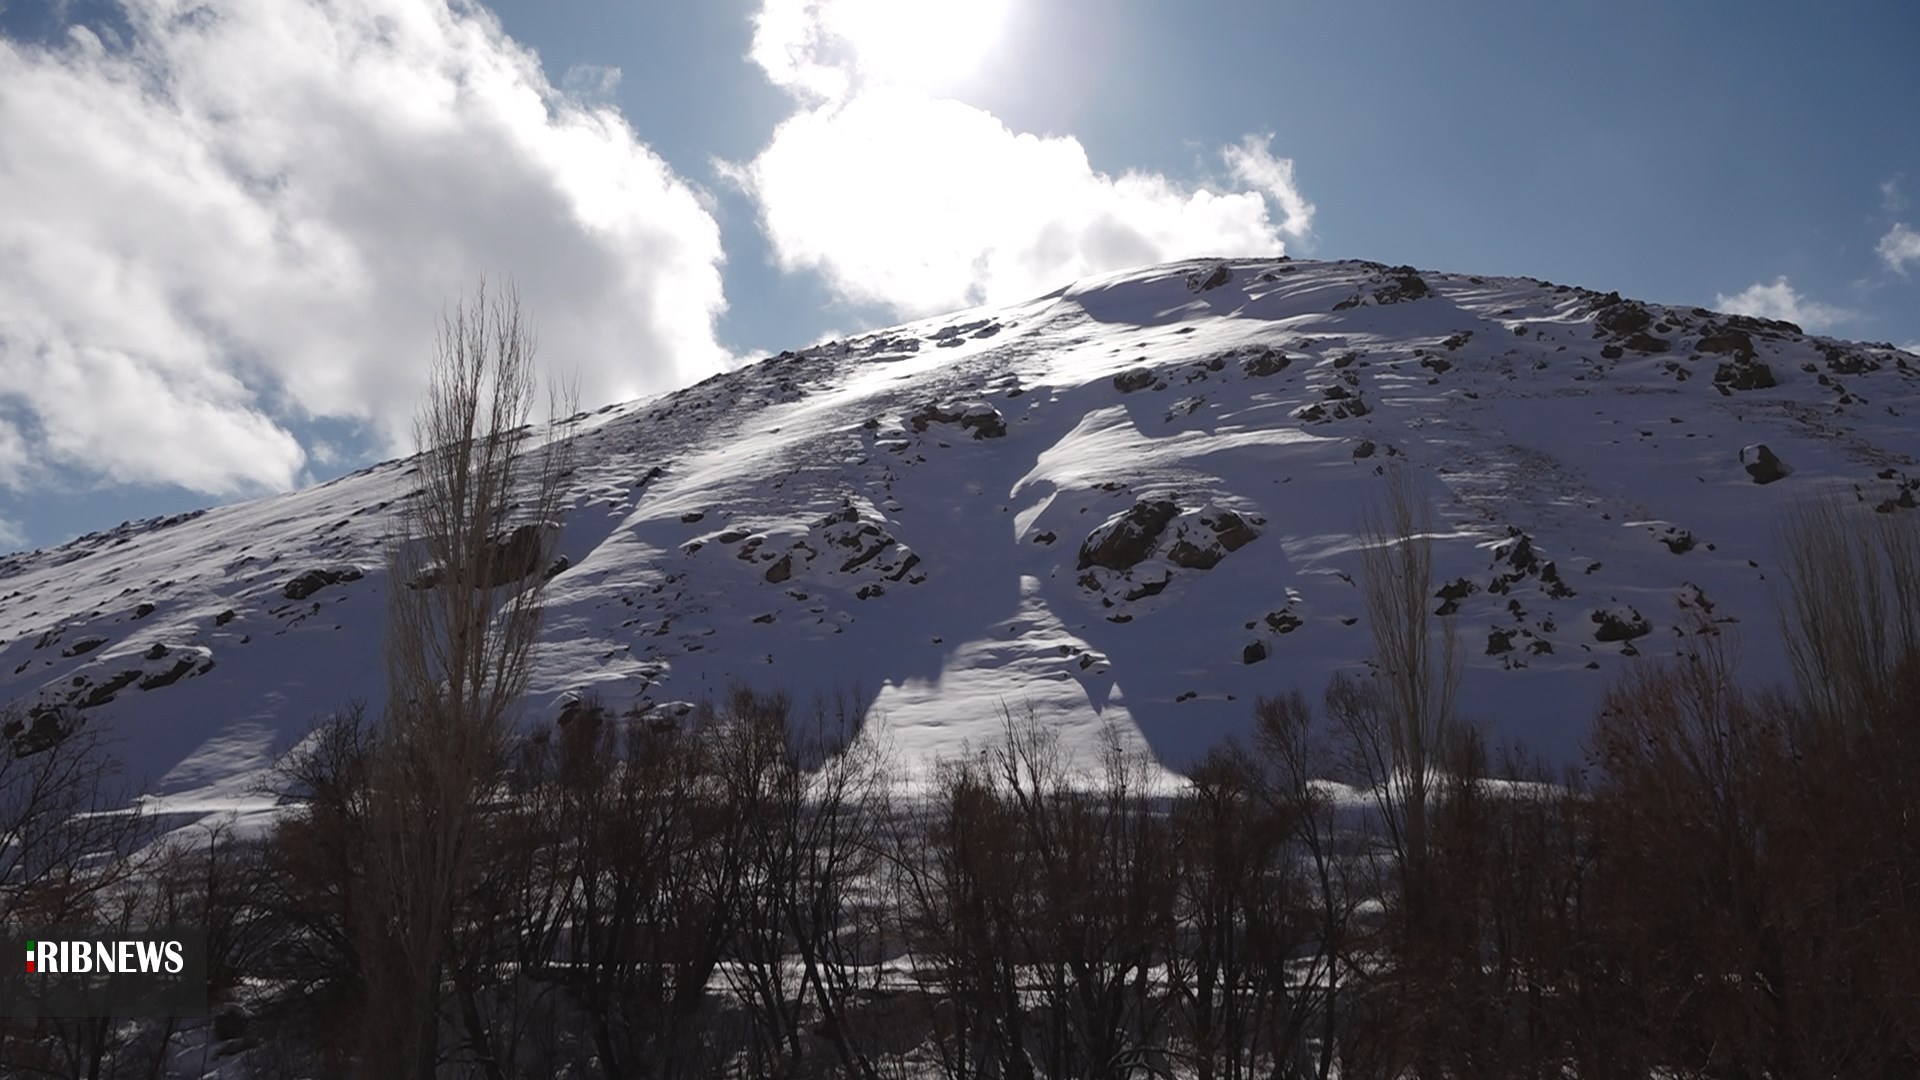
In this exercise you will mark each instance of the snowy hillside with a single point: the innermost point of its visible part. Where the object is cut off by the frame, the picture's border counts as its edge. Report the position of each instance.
(1132, 500)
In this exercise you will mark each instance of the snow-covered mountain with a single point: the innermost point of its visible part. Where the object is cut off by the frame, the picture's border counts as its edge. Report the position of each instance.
(1133, 500)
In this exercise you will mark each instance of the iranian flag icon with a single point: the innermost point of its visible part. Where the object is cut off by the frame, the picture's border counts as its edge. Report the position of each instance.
(30, 957)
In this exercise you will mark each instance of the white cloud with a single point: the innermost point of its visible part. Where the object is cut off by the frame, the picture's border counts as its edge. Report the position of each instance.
(592, 84)
(12, 537)
(1253, 164)
(1781, 301)
(1891, 199)
(250, 215)
(1899, 247)
(923, 204)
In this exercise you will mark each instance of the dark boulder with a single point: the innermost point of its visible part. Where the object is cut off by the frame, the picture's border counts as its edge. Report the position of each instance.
(1762, 464)
(314, 580)
(984, 421)
(1614, 626)
(84, 645)
(1192, 556)
(1743, 375)
(1736, 342)
(1232, 530)
(1123, 542)
(1622, 317)
(1265, 362)
(1219, 275)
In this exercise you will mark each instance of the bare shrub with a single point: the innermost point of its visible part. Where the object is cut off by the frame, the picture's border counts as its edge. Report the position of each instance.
(1851, 610)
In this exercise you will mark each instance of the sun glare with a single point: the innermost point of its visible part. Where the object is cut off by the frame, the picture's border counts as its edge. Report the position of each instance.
(923, 43)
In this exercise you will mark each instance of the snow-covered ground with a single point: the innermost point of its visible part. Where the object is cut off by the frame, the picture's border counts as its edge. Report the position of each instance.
(1132, 501)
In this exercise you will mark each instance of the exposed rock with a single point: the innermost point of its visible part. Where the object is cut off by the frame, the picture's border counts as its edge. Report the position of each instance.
(1617, 627)
(1499, 641)
(1736, 342)
(105, 692)
(1404, 283)
(1843, 361)
(932, 414)
(1219, 275)
(1743, 375)
(1255, 652)
(1232, 530)
(1762, 464)
(1144, 589)
(781, 570)
(84, 645)
(1265, 362)
(518, 555)
(1520, 554)
(143, 610)
(691, 516)
(1192, 556)
(1767, 327)
(1132, 379)
(1621, 317)
(1452, 593)
(180, 669)
(314, 580)
(1647, 343)
(1124, 541)
(1283, 621)
(1364, 450)
(984, 421)
(48, 725)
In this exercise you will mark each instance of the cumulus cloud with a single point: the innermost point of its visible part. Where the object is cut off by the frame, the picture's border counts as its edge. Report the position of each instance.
(1891, 199)
(247, 215)
(1899, 247)
(921, 204)
(1252, 163)
(1780, 300)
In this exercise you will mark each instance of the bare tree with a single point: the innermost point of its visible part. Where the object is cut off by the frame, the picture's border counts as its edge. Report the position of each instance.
(465, 580)
(67, 821)
(1417, 661)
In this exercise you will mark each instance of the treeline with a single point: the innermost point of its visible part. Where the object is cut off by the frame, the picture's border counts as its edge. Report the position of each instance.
(753, 894)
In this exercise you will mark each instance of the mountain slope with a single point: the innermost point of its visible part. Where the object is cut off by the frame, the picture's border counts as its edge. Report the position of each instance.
(1133, 501)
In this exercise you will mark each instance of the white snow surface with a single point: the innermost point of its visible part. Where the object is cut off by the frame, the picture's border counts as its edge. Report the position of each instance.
(932, 564)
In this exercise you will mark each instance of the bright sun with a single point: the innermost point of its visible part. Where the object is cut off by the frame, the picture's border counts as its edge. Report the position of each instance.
(923, 43)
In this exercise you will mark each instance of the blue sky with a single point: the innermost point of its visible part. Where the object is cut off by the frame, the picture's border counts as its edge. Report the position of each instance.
(229, 225)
